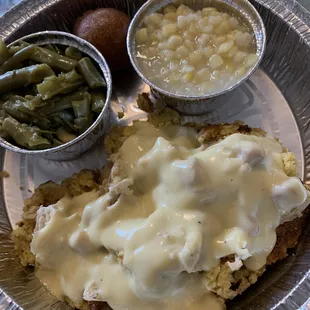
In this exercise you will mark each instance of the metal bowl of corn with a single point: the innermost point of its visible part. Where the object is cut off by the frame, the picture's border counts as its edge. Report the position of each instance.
(193, 53)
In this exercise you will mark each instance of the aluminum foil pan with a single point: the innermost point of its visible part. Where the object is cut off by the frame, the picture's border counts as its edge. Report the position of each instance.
(276, 98)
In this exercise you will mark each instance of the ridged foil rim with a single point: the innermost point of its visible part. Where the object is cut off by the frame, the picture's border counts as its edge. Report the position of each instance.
(288, 10)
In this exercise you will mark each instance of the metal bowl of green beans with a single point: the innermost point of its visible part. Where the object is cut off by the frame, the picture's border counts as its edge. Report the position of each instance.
(55, 90)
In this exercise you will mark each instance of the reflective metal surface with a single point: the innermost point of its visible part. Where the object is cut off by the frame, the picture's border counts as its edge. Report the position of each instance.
(86, 140)
(276, 98)
(190, 104)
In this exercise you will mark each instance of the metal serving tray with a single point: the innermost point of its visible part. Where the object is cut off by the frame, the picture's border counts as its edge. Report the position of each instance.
(276, 98)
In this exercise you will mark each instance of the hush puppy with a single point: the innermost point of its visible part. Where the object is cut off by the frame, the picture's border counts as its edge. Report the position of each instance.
(106, 29)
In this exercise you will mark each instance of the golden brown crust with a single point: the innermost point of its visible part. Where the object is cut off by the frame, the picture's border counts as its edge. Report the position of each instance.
(116, 138)
(82, 182)
(213, 133)
(45, 195)
(288, 235)
(97, 305)
(227, 283)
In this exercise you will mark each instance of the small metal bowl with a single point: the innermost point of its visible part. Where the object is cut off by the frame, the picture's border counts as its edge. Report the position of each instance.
(193, 105)
(86, 140)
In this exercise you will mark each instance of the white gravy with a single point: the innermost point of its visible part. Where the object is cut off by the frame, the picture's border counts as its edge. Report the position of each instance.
(174, 210)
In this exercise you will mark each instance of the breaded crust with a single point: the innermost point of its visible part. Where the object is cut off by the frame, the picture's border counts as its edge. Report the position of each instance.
(47, 194)
(221, 279)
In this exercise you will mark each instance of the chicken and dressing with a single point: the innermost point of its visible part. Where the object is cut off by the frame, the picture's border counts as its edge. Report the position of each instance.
(173, 209)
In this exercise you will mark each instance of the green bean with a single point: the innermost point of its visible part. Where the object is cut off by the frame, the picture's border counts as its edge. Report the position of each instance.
(3, 134)
(82, 108)
(11, 109)
(82, 112)
(20, 56)
(59, 104)
(64, 136)
(91, 75)
(2, 102)
(29, 97)
(23, 44)
(23, 77)
(17, 107)
(61, 84)
(35, 102)
(24, 135)
(16, 48)
(54, 60)
(4, 53)
(82, 123)
(56, 120)
(53, 48)
(21, 104)
(46, 131)
(42, 123)
(57, 49)
(47, 134)
(56, 142)
(98, 101)
(49, 47)
(36, 119)
(73, 53)
(67, 119)
(55, 107)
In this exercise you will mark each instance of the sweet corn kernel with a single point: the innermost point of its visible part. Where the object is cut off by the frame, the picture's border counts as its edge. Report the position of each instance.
(239, 56)
(225, 47)
(172, 16)
(233, 21)
(155, 19)
(196, 58)
(204, 74)
(216, 61)
(141, 36)
(232, 51)
(251, 60)
(215, 20)
(187, 77)
(240, 72)
(170, 9)
(223, 27)
(207, 11)
(169, 30)
(196, 53)
(243, 39)
(183, 51)
(203, 39)
(176, 41)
